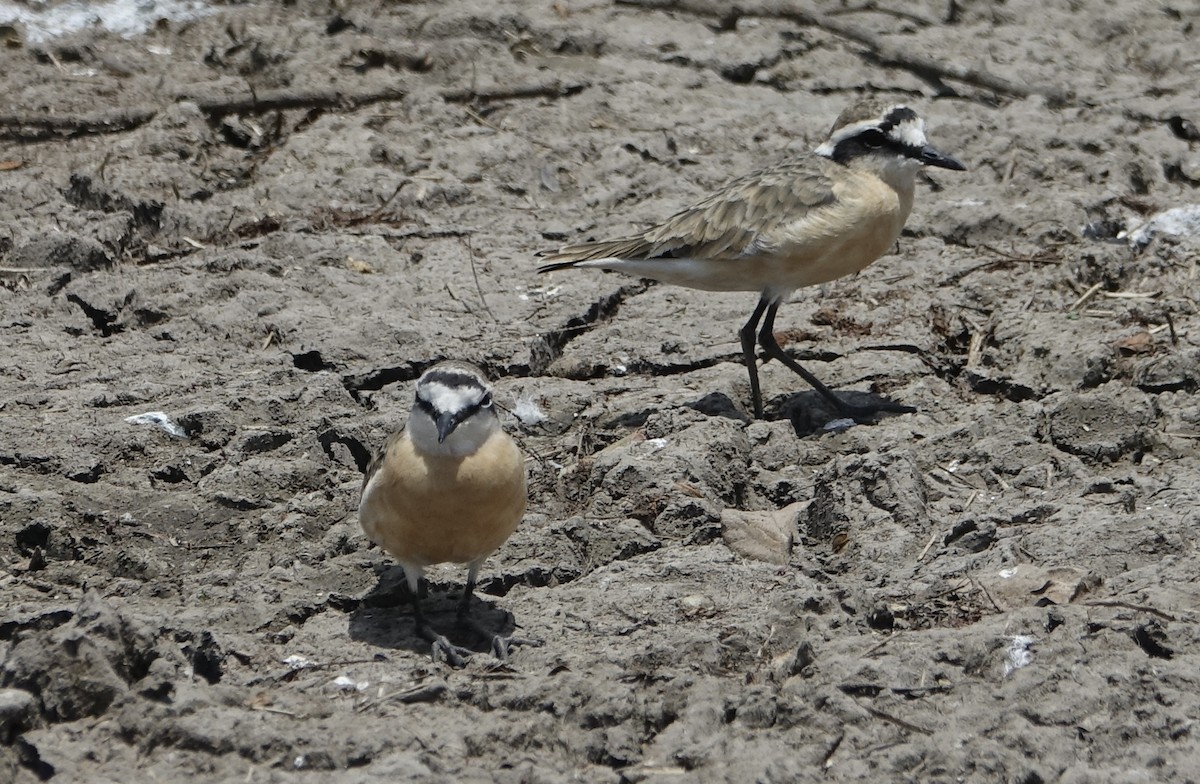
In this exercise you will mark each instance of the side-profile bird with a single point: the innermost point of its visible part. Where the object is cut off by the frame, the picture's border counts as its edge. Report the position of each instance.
(448, 487)
(809, 220)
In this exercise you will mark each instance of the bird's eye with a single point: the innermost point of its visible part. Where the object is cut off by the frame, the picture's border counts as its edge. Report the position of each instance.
(486, 402)
(872, 139)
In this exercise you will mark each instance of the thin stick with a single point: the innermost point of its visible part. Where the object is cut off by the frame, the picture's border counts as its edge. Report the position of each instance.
(930, 69)
(427, 692)
(988, 594)
(1084, 297)
(932, 539)
(479, 118)
(879, 645)
(837, 743)
(553, 89)
(872, 7)
(1171, 326)
(36, 126)
(908, 725)
(1131, 294)
(475, 275)
(280, 711)
(1130, 606)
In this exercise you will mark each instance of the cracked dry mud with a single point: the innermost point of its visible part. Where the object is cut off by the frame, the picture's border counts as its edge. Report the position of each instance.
(1001, 587)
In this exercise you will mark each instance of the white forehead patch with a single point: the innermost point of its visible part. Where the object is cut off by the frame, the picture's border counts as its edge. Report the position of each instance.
(446, 398)
(910, 132)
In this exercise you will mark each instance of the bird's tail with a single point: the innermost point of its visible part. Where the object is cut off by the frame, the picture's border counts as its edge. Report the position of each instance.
(571, 256)
(557, 265)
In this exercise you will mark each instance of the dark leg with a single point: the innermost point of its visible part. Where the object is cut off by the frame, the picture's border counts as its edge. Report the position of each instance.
(500, 645)
(747, 335)
(766, 338)
(441, 648)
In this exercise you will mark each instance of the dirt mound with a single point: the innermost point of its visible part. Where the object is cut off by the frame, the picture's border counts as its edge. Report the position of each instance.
(230, 247)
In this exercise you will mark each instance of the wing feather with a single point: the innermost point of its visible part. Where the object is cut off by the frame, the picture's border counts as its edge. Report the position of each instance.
(739, 218)
(378, 458)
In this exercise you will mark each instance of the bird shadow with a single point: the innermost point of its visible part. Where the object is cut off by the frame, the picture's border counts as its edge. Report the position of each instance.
(384, 616)
(810, 413)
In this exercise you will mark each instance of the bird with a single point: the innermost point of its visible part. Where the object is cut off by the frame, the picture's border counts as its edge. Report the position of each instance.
(808, 220)
(447, 487)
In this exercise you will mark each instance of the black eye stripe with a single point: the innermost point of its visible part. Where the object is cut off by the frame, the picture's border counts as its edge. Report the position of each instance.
(870, 140)
(872, 137)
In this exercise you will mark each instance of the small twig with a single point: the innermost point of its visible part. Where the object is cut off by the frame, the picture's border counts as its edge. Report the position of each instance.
(450, 293)
(766, 641)
(400, 236)
(975, 349)
(1130, 606)
(870, 6)
(928, 68)
(928, 546)
(908, 725)
(475, 275)
(988, 594)
(37, 127)
(957, 479)
(553, 89)
(424, 693)
(479, 118)
(1043, 257)
(1171, 326)
(277, 100)
(280, 711)
(827, 762)
(1131, 294)
(1084, 297)
(879, 645)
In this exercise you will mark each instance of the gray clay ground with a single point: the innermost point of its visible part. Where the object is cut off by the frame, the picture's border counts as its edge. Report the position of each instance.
(266, 223)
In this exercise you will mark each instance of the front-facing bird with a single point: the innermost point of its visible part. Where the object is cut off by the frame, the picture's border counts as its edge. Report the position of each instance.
(821, 216)
(448, 487)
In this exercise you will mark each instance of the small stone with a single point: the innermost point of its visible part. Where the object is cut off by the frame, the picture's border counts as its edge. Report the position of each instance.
(18, 713)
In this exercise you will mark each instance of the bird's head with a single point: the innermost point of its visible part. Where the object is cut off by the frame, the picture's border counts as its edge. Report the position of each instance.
(453, 413)
(884, 138)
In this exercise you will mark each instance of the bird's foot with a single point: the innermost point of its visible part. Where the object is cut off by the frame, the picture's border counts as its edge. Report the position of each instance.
(502, 646)
(441, 649)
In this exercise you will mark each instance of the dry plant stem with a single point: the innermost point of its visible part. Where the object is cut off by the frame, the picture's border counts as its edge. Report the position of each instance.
(924, 67)
(38, 127)
(1131, 606)
(908, 725)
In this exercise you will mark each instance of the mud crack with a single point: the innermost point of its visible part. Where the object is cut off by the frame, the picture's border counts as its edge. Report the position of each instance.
(553, 342)
(378, 378)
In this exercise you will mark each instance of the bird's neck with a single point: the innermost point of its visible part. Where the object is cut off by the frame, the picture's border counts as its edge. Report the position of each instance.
(900, 173)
